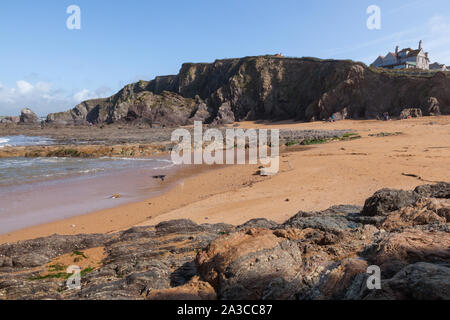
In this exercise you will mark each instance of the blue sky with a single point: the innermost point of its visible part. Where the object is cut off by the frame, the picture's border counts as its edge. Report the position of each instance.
(47, 67)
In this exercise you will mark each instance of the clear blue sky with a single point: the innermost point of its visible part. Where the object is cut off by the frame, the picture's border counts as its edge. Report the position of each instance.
(49, 68)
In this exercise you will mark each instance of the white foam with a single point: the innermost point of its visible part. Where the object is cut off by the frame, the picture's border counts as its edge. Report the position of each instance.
(22, 140)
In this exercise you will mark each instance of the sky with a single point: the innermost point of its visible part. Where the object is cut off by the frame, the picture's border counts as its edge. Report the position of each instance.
(48, 67)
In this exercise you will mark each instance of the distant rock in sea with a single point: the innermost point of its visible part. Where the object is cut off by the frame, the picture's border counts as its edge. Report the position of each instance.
(27, 116)
(9, 120)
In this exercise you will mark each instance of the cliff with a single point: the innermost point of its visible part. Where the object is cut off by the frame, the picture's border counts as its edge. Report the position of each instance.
(266, 87)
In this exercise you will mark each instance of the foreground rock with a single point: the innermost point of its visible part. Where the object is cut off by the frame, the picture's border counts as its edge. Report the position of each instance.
(266, 87)
(313, 255)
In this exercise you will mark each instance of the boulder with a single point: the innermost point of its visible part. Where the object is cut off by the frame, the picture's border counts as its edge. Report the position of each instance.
(433, 107)
(386, 201)
(396, 250)
(440, 190)
(418, 281)
(423, 212)
(225, 114)
(252, 264)
(28, 117)
(411, 113)
(9, 120)
(324, 222)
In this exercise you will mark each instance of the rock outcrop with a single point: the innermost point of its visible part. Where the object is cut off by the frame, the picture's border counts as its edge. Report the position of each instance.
(9, 120)
(27, 116)
(313, 255)
(265, 87)
(411, 113)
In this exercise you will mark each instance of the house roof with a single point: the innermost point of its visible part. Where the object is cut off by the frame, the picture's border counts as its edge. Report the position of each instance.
(436, 64)
(414, 53)
(405, 50)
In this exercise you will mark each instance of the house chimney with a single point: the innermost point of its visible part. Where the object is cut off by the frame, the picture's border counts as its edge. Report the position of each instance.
(396, 50)
(420, 45)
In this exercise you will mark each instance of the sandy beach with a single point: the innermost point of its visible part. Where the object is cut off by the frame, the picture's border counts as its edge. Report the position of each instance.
(310, 178)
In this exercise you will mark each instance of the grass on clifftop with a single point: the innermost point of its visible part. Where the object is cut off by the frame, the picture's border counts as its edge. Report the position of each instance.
(411, 73)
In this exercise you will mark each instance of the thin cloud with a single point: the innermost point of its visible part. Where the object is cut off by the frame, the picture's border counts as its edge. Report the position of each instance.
(390, 38)
(42, 98)
(408, 6)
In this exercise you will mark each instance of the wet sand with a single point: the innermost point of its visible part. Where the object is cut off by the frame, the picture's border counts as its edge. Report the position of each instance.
(33, 203)
(340, 172)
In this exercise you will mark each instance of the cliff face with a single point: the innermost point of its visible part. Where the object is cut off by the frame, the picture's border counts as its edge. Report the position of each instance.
(266, 87)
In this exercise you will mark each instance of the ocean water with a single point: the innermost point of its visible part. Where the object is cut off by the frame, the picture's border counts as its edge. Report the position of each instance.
(17, 141)
(34, 191)
(18, 171)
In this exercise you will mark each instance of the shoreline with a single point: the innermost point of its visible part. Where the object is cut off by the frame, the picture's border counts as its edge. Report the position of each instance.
(113, 219)
(70, 193)
(340, 172)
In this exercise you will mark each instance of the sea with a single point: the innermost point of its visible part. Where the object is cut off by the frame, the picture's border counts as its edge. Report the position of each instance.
(35, 191)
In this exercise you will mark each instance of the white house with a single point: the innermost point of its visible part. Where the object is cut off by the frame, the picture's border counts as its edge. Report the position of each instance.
(404, 59)
(439, 67)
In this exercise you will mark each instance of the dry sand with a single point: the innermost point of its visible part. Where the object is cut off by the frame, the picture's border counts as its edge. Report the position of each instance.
(341, 172)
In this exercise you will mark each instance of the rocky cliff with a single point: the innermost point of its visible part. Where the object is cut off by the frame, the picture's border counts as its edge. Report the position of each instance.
(313, 255)
(266, 87)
